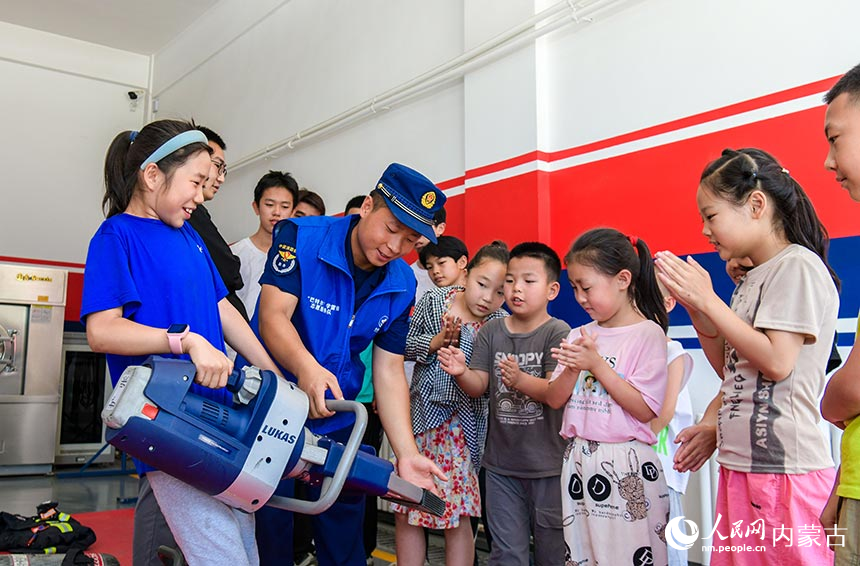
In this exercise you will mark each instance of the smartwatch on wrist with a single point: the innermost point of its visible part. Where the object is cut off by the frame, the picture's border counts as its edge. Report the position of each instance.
(175, 334)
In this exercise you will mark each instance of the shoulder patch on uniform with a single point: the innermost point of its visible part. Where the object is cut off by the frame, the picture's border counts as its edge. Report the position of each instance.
(285, 260)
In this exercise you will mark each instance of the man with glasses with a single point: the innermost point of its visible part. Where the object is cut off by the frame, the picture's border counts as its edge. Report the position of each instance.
(227, 263)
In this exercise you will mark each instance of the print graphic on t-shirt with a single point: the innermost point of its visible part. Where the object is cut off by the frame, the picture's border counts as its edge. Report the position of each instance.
(513, 407)
(588, 386)
(767, 448)
(734, 398)
(589, 394)
(767, 452)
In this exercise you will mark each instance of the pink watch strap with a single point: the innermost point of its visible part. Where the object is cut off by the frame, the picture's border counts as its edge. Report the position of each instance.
(175, 341)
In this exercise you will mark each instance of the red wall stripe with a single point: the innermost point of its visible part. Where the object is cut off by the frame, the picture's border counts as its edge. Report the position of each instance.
(507, 163)
(701, 118)
(45, 262)
(451, 183)
(74, 294)
(649, 193)
(507, 209)
(694, 120)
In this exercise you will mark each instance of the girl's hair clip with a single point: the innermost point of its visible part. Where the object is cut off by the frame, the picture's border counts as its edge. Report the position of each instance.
(634, 241)
(786, 171)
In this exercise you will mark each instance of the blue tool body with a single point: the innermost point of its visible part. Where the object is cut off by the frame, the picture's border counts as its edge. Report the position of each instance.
(240, 453)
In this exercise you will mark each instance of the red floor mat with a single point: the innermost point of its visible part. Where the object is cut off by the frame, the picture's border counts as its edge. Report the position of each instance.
(113, 532)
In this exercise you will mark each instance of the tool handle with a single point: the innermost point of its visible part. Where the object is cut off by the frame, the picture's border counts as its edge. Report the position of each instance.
(235, 380)
(331, 487)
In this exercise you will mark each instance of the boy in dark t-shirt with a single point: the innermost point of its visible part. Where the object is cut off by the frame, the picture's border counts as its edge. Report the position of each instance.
(524, 450)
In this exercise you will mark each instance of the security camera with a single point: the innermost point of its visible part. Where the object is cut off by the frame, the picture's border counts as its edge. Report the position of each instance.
(134, 97)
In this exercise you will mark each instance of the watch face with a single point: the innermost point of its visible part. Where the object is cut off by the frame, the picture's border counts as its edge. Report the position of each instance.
(177, 328)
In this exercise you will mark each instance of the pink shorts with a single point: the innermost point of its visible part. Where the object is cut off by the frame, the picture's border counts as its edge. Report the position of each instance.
(770, 519)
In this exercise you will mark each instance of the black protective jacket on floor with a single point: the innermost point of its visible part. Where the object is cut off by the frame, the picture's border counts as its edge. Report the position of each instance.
(49, 532)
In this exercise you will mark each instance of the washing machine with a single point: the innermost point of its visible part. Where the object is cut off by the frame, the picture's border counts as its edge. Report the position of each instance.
(32, 315)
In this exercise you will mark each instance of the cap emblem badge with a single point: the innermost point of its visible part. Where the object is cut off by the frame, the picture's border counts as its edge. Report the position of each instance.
(428, 199)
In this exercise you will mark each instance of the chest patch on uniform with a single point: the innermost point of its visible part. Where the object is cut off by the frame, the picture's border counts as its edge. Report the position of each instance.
(285, 260)
(380, 324)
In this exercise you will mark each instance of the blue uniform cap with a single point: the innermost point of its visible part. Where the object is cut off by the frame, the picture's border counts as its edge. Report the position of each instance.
(412, 198)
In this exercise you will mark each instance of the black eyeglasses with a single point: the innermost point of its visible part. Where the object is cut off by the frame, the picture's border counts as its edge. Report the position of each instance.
(222, 167)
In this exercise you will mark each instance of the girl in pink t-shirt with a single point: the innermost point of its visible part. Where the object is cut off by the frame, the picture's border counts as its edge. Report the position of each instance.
(611, 379)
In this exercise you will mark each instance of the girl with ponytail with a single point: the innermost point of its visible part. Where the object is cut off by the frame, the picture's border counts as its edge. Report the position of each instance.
(150, 287)
(611, 378)
(770, 347)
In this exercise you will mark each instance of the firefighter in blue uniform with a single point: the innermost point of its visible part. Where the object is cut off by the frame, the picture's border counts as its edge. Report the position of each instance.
(330, 287)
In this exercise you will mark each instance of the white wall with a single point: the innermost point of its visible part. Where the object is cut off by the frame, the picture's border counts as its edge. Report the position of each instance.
(260, 71)
(308, 61)
(264, 78)
(664, 59)
(62, 102)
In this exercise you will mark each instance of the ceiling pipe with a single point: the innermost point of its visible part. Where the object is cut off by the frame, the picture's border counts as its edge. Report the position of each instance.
(556, 16)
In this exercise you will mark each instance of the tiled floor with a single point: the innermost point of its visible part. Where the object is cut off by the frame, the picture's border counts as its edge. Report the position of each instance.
(21, 494)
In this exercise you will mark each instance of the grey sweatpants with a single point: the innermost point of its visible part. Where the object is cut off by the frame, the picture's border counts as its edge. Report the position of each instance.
(518, 507)
(208, 532)
(150, 528)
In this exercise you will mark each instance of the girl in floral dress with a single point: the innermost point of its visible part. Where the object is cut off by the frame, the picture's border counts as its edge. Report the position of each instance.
(449, 425)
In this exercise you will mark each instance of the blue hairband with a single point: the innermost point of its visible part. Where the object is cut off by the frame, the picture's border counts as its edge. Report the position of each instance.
(174, 143)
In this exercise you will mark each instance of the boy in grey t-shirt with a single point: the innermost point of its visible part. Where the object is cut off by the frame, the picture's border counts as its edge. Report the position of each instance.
(524, 433)
(524, 450)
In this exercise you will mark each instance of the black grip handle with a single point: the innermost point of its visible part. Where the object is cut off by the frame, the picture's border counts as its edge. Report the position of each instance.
(235, 381)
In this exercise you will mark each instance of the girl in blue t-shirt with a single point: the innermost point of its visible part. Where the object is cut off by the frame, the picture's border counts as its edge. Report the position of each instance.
(147, 271)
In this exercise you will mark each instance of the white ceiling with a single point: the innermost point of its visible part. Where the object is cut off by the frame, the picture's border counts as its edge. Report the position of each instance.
(140, 26)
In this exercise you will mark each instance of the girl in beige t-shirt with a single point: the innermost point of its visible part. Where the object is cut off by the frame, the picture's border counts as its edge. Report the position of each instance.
(770, 348)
